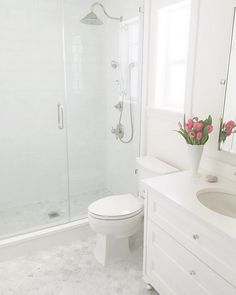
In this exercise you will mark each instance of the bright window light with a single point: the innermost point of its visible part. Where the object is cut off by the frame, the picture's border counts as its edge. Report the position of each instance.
(173, 29)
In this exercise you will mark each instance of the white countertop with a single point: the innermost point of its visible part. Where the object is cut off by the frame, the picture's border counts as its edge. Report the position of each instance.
(182, 188)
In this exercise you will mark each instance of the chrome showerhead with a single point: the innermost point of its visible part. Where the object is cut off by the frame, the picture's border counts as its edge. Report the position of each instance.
(91, 19)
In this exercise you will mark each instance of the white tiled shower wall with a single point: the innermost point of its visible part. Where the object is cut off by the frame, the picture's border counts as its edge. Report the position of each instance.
(33, 154)
(97, 160)
(120, 158)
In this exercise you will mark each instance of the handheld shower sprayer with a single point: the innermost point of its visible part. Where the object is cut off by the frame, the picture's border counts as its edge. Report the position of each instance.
(119, 131)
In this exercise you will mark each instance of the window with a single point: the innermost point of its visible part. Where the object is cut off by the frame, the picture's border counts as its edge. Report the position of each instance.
(173, 30)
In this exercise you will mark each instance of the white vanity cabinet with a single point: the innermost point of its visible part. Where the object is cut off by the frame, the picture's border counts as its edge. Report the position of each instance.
(183, 254)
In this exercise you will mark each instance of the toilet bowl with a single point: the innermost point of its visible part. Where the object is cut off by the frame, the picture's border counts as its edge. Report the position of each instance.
(117, 218)
(114, 219)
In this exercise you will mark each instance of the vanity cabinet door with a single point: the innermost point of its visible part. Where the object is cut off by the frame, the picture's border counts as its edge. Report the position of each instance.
(178, 271)
(213, 248)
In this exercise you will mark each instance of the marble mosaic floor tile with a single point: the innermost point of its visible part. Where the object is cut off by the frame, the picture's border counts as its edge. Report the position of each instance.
(71, 270)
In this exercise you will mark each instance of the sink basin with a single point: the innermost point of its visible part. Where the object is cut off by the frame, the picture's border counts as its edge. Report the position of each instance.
(220, 201)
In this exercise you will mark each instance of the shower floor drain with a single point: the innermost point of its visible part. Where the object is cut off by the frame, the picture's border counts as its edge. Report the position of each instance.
(53, 214)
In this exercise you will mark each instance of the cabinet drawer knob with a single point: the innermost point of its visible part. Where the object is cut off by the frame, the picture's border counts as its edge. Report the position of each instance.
(192, 273)
(195, 237)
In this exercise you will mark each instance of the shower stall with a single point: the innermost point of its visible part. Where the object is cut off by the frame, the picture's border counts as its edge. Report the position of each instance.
(70, 96)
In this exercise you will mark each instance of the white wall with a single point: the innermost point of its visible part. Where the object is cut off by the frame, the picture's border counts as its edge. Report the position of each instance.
(120, 158)
(213, 45)
(161, 139)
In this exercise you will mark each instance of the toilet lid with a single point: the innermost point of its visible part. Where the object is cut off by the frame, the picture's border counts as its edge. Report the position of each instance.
(116, 206)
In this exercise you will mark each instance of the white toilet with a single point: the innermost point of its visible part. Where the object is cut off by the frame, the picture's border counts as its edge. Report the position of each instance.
(116, 218)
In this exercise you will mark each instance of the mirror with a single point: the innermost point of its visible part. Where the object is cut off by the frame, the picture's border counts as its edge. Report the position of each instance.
(227, 136)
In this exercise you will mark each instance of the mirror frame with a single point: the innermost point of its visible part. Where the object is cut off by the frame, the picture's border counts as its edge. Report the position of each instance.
(225, 82)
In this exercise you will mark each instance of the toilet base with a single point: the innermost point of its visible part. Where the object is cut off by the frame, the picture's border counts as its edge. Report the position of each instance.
(109, 249)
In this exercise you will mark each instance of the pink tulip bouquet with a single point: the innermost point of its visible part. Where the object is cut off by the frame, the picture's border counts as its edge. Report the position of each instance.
(196, 131)
(227, 129)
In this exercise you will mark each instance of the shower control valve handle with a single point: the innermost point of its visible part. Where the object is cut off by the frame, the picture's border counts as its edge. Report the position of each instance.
(118, 131)
(114, 131)
(119, 106)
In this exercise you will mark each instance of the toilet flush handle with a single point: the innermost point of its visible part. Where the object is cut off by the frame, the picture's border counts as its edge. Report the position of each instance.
(143, 194)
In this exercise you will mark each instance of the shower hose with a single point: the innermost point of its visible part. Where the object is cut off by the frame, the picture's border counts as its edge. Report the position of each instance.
(131, 66)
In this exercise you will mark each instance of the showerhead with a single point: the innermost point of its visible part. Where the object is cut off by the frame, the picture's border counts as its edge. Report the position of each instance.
(91, 19)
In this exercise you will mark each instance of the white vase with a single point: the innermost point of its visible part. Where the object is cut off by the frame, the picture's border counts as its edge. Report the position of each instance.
(195, 155)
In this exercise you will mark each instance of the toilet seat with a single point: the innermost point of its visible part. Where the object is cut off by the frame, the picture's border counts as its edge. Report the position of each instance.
(123, 217)
(118, 207)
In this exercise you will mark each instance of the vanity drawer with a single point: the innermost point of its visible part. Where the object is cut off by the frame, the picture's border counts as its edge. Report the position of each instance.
(177, 271)
(215, 249)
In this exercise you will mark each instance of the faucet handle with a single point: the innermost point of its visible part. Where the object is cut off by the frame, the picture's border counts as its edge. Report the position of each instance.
(119, 106)
(118, 131)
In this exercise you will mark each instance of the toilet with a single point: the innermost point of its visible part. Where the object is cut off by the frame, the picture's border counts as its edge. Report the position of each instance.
(115, 219)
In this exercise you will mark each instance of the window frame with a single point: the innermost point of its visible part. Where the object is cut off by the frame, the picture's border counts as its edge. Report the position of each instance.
(154, 6)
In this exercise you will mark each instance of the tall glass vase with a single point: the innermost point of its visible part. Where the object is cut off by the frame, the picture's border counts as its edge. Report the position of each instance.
(195, 155)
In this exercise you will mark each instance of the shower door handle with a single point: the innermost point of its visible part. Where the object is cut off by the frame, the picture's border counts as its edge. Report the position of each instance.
(60, 116)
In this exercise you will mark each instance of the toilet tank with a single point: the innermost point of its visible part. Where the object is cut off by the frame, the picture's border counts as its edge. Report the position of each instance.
(148, 167)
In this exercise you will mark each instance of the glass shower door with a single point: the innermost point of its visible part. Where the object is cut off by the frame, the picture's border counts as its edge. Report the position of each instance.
(33, 153)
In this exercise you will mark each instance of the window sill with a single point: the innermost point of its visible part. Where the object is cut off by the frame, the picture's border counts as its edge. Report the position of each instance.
(170, 113)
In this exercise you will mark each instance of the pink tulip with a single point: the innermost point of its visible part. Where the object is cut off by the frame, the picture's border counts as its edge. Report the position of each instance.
(180, 125)
(198, 126)
(192, 134)
(210, 128)
(190, 123)
(199, 135)
(229, 126)
(188, 128)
